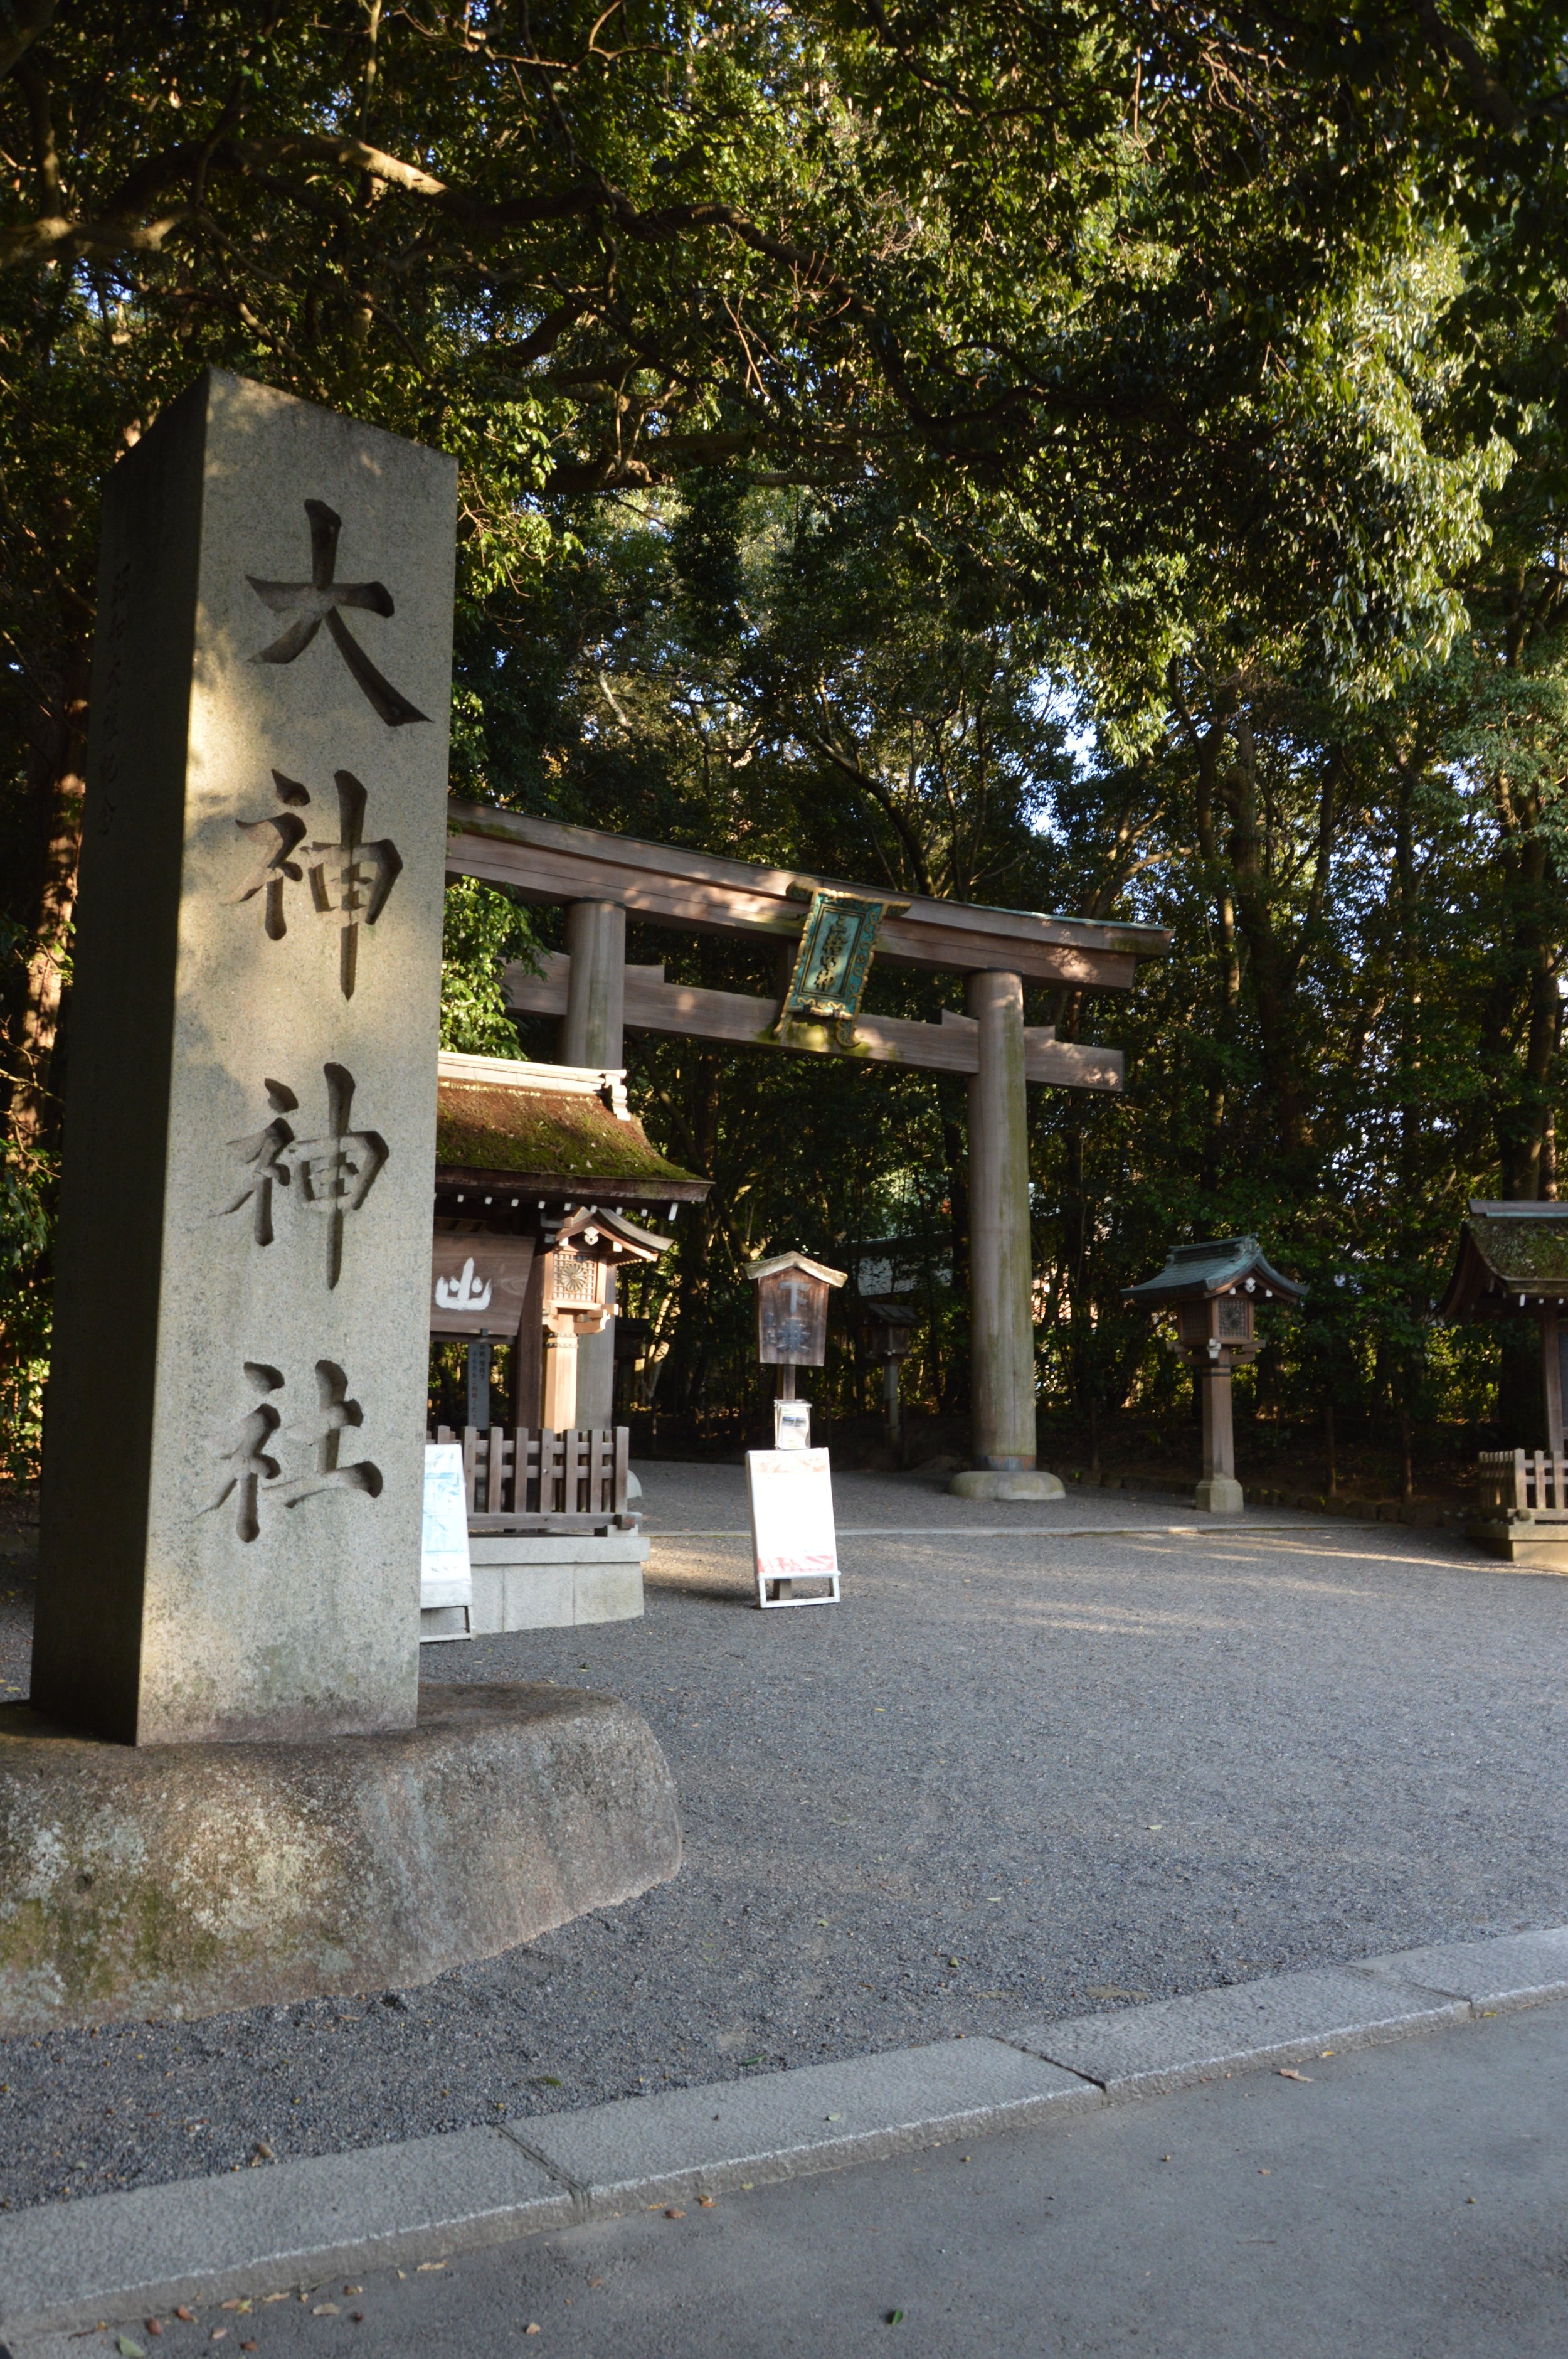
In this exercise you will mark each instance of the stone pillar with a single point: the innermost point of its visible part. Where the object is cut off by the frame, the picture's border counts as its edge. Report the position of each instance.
(593, 1025)
(1218, 1492)
(1000, 1263)
(234, 1464)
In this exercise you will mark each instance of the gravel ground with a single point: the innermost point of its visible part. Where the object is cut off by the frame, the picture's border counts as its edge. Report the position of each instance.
(1006, 1776)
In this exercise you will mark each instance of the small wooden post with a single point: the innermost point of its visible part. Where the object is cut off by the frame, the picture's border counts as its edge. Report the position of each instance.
(792, 1314)
(478, 1372)
(560, 1375)
(528, 1362)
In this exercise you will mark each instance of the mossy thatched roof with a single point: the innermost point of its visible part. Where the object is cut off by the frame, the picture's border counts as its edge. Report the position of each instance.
(1524, 1254)
(545, 1134)
(1505, 1255)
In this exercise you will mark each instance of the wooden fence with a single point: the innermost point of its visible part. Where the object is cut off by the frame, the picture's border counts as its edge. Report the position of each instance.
(525, 1478)
(1521, 1483)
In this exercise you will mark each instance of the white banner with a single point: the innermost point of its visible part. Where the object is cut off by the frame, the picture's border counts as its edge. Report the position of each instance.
(445, 1577)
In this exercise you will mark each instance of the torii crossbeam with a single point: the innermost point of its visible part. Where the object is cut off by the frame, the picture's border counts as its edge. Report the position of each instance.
(601, 879)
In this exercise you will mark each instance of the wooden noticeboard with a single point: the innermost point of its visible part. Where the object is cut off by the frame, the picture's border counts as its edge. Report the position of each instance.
(792, 1534)
(479, 1283)
(792, 1320)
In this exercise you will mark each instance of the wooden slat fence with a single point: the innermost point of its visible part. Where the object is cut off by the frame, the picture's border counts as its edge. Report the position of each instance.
(528, 1473)
(1521, 1483)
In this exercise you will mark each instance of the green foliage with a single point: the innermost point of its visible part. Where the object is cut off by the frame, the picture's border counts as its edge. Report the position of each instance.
(26, 1229)
(485, 930)
(1070, 455)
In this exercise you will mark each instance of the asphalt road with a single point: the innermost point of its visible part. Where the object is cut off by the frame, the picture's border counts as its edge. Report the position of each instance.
(1403, 2202)
(1005, 1779)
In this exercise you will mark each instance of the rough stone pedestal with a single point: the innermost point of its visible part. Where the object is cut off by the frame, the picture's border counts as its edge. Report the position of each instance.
(1219, 1495)
(988, 1483)
(186, 1879)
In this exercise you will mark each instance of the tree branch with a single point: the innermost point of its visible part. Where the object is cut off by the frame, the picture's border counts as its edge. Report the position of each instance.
(1491, 99)
(823, 744)
(28, 19)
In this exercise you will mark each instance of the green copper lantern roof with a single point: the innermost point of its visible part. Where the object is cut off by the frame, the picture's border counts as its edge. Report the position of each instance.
(1224, 1265)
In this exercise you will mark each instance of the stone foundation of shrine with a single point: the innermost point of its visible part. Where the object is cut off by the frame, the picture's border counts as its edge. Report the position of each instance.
(544, 1580)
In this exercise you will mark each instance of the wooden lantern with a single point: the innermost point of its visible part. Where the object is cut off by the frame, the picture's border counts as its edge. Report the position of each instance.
(1214, 1289)
(889, 1330)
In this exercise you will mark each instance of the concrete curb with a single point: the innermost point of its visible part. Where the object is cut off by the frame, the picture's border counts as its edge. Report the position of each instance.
(69, 2265)
(693, 2142)
(1430, 1516)
(1491, 1977)
(1144, 2051)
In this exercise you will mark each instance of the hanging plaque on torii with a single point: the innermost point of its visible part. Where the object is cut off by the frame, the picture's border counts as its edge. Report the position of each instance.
(834, 960)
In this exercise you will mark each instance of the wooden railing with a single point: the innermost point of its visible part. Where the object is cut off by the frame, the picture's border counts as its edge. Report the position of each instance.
(525, 1478)
(1521, 1483)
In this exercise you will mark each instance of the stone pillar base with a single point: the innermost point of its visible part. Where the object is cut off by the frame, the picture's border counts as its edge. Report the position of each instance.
(1219, 1495)
(170, 1880)
(992, 1483)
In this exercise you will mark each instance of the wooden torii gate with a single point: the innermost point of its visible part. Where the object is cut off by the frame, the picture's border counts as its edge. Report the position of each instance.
(601, 879)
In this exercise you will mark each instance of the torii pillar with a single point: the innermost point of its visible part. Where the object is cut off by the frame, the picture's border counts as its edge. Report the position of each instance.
(1003, 1335)
(592, 1033)
(593, 1027)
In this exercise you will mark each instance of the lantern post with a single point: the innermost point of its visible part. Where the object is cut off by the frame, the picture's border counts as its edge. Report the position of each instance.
(889, 1327)
(1214, 1289)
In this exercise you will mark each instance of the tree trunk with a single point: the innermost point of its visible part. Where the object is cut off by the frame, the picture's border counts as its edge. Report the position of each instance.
(1273, 990)
(1208, 746)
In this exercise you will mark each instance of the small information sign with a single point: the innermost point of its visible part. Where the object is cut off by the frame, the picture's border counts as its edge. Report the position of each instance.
(792, 1425)
(446, 1576)
(793, 1536)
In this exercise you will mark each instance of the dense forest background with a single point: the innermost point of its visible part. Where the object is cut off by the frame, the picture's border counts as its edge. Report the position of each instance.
(1066, 453)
